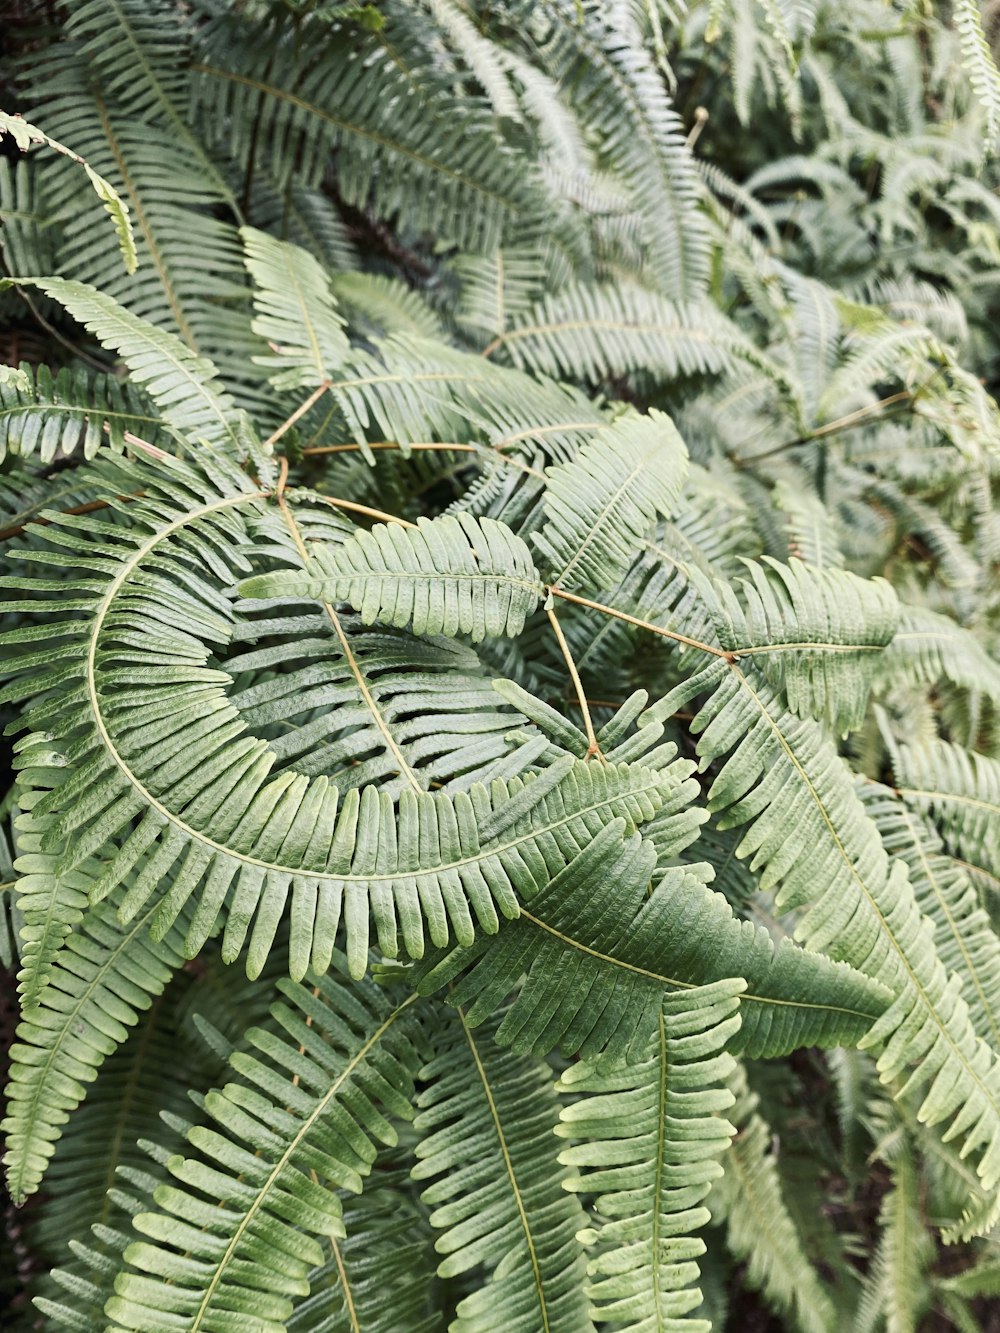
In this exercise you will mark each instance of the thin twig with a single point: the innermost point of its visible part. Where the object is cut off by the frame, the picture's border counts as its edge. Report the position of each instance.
(641, 624)
(856, 418)
(300, 411)
(592, 746)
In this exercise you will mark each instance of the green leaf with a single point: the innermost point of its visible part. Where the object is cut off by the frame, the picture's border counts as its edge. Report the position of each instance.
(599, 507)
(449, 575)
(646, 1140)
(485, 1123)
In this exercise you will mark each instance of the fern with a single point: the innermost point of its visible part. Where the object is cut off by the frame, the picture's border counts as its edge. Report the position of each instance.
(500, 619)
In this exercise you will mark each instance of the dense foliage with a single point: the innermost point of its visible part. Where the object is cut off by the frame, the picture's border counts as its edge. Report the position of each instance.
(502, 600)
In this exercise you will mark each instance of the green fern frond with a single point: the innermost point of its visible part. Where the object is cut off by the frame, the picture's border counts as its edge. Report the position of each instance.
(647, 1136)
(72, 411)
(959, 790)
(865, 912)
(599, 506)
(594, 986)
(238, 1229)
(979, 63)
(760, 1231)
(819, 632)
(185, 387)
(963, 936)
(603, 332)
(929, 647)
(24, 135)
(897, 1288)
(296, 312)
(614, 83)
(486, 1121)
(381, 1277)
(442, 159)
(449, 575)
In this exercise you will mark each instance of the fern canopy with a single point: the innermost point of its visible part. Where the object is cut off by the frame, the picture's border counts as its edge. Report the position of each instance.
(498, 658)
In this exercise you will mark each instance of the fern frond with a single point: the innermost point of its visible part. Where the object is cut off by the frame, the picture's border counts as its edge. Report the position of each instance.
(485, 1122)
(614, 84)
(601, 332)
(448, 575)
(184, 386)
(381, 1277)
(818, 632)
(897, 1286)
(24, 135)
(238, 1229)
(599, 506)
(760, 1231)
(929, 647)
(979, 63)
(72, 411)
(99, 982)
(647, 1136)
(960, 791)
(596, 985)
(963, 936)
(437, 155)
(815, 843)
(296, 312)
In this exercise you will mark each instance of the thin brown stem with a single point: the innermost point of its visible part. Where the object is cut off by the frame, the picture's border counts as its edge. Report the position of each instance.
(379, 514)
(592, 746)
(300, 411)
(856, 418)
(91, 507)
(642, 624)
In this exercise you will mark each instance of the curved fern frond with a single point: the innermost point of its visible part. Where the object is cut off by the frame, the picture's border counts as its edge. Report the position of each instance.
(615, 84)
(647, 1136)
(599, 506)
(979, 62)
(496, 1188)
(441, 157)
(237, 1232)
(449, 575)
(602, 332)
(207, 814)
(929, 647)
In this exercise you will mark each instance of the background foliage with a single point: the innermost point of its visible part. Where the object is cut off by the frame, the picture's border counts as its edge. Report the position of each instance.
(500, 656)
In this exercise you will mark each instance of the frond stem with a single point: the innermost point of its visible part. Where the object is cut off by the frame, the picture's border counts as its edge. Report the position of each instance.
(300, 411)
(641, 624)
(592, 746)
